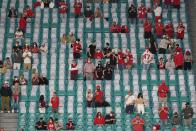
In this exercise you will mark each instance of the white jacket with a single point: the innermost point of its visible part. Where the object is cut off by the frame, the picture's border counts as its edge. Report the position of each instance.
(158, 11)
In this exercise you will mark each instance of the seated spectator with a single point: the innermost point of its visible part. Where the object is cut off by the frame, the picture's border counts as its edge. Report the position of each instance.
(77, 47)
(147, 58)
(180, 30)
(64, 39)
(187, 114)
(142, 12)
(99, 120)
(157, 13)
(19, 34)
(140, 104)
(27, 59)
(28, 12)
(55, 102)
(98, 13)
(42, 104)
(91, 50)
(124, 29)
(115, 28)
(163, 91)
(43, 48)
(43, 80)
(156, 127)
(164, 44)
(98, 54)
(161, 64)
(147, 29)
(132, 14)
(179, 60)
(4, 69)
(12, 12)
(50, 124)
(129, 103)
(99, 71)
(34, 48)
(15, 97)
(89, 69)
(159, 29)
(169, 30)
(89, 98)
(71, 38)
(153, 45)
(8, 63)
(22, 23)
(77, 8)
(107, 50)
(187, 60)
(129, 59)
(22, 80)
(164, 114)
(176, 3)
(108, 72)
(35, 79)
(63, 7)
(41, 125)
(99, 98)
(6, 95)
(170, 65)
(110, 118)
(175, 119)
(88, 13)
(113, 59)
(121, 60)
(74, 70)
(58, 125)
(70, 125)
(138, 123)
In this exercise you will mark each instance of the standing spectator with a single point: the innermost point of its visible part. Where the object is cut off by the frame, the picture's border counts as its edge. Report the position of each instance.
(132, 14)
(19, 34)
(163, 114)
(6, 94)
(99, 120)
(99, 97)
(99, 71)
(187, 60)
(8, 63)
(64, 39)
(15, 96)
(167, 2)
(153, 45)
(170, 65)
(164, 44)
(163, 90)
(43, 48)
(89, 98)
(74, 70)
(41, 125)
(161, 64)
(108, 72)
(88, 13)
(157, 13)
(71, 38)
(121, 62)
(110, 118)
(107, 50)
(34, 48)
(142, 12)
(22, 24)
(91, 50)
(42, 104)
(147, 58)
(129, 59)
(63, 8)
(35, 79)
(129, 103)
(27, 59)
(179, 60)
(70, 125)
(16, 81)
(176, 3)
(43, 80)
(188, 114)
(140, 104)
(180, 30)
(28, 12)
(99, 54)
(115, 28)
(113, 59)
(12, 12)
(138, 123)
(77, 8)
(159, 29)
(147, 29)
(97, 13)
(176, 119)
(169, 30)
(51, 124)
(89, 69)
(178, 48)
(55, 102)
(76, 49)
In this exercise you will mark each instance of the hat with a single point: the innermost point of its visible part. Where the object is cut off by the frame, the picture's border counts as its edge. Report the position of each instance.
(98, 86)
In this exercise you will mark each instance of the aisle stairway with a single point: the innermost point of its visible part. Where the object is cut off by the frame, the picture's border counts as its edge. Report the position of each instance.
(8, 121)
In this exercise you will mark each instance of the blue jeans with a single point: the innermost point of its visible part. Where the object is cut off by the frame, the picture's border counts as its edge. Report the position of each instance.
(121, 66)
(146, 66)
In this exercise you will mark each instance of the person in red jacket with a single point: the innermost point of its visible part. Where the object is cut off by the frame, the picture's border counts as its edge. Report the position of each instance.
(147, 29)
(124, 29)
(34, 48)
(129, 59)
(70, 125)
(29, 12)
(22, 24)
(37, 4)
(55, 102)
(167, 2)
(163, 90)
(63, 8)
(178, 48)
(169, 30)
(74, 70)
(138, 123)
(179, 60)
(115, 28)
(99, 120)
(76, 49)
(176, 4)
(180, 30)
(159, 29)
(51, 124)
(99, 97)
(77, 8)
(163, 114)
(142, 12)
(121, 60)
(99, 54)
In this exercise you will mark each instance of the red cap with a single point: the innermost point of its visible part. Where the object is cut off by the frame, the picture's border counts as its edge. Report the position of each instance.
(98, 86)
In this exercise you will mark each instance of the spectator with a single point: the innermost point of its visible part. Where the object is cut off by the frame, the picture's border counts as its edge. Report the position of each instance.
(64, 39)
(41, 125)
(107, 50)
(47, 4)
(147, 29)
(43, 80)
(110, 118)
(153, 45)
(15, 96)
(89, 98)
(43, 48)
(147, 58)
(188, 114)
(157, 13)
(76, 49)
(138, 123)
(140, 104)
(99, 98)
(6, 94)
(77, 8)
(63, 8)
(34, 48)
(178, 48)
(169, 30)
(159, 29)
(71, 38)
(170, 65)
(74, 70)
(121, 62)
(115, 28)
(70, 125)
(161, 64)
(37, 4)
(187, 60)
(99, 71)
(35, 79)
(1, 66)
(108, 72)
(156, 127)
(98, 54)
(18, 34)
(58, 125)
(12, 12)
(163, 114)
(91, 50)
(167, 2)
(129, 59)
(157, 2)
(180, 30)
(132, 14)
(89, 70)
(129, 103)
(176, 119)
(28, 12)
(179, 60)
(113, 59)
(51, 124)
(22, 80)
(176, 3)
(27, 59)
(26, 47)
(16, 81)
(163, 90)
(8, 63)
(42, 104)
(164, 44)
(88, 13)
(22, 24)
(97, 13)
(142, 12)
(4, 69)
(99, 120)
(55, 102)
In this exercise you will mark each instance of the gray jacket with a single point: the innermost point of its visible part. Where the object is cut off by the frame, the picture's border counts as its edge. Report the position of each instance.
(17, 57)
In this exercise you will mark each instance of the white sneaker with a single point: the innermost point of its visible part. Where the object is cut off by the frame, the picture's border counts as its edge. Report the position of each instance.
(12, 110)
(8, 112)
(1, 111)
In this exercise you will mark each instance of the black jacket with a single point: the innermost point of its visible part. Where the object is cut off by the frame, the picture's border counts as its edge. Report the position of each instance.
(6, 91)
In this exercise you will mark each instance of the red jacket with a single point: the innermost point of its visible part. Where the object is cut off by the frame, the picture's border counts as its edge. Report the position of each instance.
(121, 58)
(55, 102)
(115, 29)
(98, 55)
(180, 32)
(77, 47)
(179, 59)
(159, 29)
(176, 2)
(163, 90)
(129, 59)
(63, 7)
(99, 96)
(30, 13)
(124, 29)
(163, 113)
(22, 23)
(51, 126)
(99, 121)
(77, 8)
(74, 71)
(138, 124)
(37, 4)
(147, 26)
(167, 2)
(169, 30)
(142, 12)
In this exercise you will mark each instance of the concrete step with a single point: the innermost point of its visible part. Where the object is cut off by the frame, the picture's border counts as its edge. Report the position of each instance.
(8, 121)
